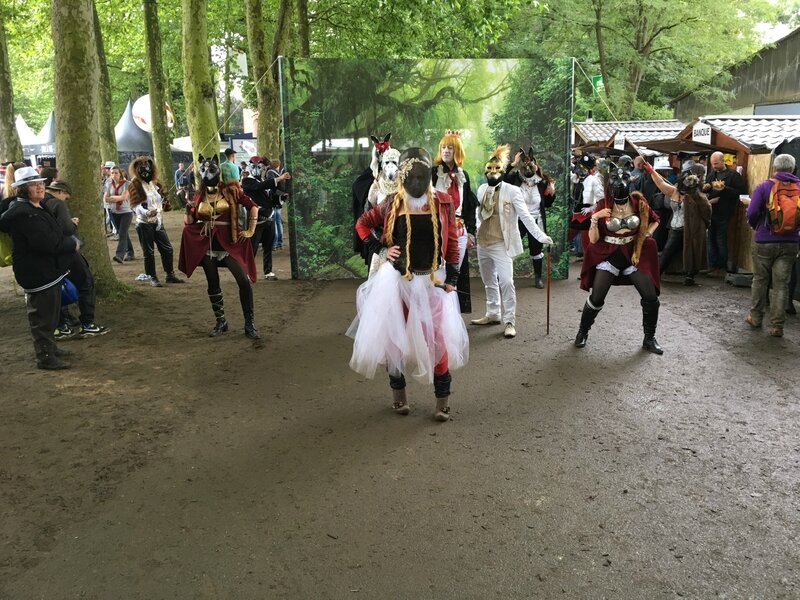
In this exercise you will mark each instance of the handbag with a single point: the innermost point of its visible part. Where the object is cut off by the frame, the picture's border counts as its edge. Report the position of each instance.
(69, 293)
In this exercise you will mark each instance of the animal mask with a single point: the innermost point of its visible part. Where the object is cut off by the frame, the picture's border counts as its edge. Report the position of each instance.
(390, 164)
(619, 180)
(145, 170)
(209, 171)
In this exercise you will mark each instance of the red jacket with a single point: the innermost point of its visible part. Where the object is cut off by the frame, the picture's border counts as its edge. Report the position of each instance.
(377, 217)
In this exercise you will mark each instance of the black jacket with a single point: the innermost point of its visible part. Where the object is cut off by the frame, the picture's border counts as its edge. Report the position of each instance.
(60, 210)
(258, 191)
(728, 196)
(41, 251)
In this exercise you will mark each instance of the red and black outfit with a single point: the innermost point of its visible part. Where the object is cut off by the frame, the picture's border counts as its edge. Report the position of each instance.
(406, 321)
(610, 261)
(212, 240)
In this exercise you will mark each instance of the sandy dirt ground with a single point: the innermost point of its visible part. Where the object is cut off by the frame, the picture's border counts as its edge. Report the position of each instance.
(166, 464)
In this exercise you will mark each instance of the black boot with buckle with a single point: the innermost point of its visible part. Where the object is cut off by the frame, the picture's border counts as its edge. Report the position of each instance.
(537, 272)
(219, 312)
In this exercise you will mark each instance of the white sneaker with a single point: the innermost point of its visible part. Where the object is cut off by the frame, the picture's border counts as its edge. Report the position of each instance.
(510, 332)
(270, 276)
(486, 321)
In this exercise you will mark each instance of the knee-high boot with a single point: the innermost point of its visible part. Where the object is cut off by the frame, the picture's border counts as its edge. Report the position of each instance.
(246, 299)
(399, 401)
(537, 271)
(649, 323)
(588, 316)
(441, 389)
(219, 313)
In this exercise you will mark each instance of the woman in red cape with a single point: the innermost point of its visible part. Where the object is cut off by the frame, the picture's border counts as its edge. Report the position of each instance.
(621, 251)
(212, 237)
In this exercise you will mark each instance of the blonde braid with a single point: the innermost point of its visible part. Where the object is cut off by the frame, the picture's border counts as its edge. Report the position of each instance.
(435, 220)
(392, 216)
(408, 274)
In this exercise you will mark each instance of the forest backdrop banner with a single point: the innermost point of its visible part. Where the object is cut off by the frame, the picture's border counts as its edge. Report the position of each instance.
(331, 107)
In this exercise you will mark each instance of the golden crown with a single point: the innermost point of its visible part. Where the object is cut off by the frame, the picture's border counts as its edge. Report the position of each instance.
(453, 132)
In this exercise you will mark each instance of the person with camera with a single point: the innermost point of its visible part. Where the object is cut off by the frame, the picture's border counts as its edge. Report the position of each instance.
(261, 188)
(41, 258)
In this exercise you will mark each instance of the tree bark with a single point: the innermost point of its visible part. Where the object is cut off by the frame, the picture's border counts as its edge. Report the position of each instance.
(198, 89)
(10, 146)
(105, 115)
(158, 112)
(77, 73)
(303, 28)
(597, 5)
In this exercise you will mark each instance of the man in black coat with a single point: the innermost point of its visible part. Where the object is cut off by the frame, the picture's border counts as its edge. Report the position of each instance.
(723, 187)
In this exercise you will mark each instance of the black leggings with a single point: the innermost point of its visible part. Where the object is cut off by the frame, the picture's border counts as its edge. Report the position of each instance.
(211, 269)
(602, 283)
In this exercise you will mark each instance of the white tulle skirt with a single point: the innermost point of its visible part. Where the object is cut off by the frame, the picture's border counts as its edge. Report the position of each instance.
(414, 344)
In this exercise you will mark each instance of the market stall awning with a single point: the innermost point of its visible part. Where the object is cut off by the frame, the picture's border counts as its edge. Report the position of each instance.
(687, 146)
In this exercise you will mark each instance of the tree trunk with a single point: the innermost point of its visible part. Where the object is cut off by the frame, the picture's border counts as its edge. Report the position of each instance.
(227, 78)
(266, 93)
(303, 28)
(198, 90)
(597, 5)
(105, 115)
(77, 136)
(10, 146)
(158, 112)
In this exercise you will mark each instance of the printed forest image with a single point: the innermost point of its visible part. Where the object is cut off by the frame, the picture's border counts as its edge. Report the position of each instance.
(332, 107)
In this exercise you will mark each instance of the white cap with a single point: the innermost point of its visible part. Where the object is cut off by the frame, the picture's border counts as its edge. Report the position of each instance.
(109, 164)
(662, 163)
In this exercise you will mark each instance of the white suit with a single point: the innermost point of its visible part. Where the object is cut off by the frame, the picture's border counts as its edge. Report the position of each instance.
(496, 261)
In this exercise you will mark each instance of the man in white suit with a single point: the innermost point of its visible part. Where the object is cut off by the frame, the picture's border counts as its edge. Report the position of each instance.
(500, 206)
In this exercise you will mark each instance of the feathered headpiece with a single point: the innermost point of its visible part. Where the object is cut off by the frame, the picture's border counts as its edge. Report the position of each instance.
(501, 155)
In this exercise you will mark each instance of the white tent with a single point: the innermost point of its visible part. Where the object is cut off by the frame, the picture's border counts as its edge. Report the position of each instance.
(27, 135)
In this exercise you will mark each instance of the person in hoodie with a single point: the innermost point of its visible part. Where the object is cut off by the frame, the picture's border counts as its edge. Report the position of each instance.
(773, 252)
(41, 258)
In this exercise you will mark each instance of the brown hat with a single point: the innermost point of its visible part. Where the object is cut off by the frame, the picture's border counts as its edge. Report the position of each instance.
(60, 186)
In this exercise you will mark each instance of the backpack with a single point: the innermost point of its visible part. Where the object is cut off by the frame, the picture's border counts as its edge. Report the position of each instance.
(783, 207)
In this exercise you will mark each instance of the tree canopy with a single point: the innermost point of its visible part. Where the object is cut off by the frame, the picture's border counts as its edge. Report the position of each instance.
(648, 51)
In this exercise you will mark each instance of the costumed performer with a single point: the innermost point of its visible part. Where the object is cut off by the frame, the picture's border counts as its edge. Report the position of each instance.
(148, 200)
(450, 177)
(213, 236)
(500, 206)
(538, 190)
(621, 251)
(408, 318)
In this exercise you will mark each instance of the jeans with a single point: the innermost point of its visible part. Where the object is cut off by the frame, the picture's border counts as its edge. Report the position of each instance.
(774, 260)
(718, 244)
(148, 237)
(278, 229)
(122, 223)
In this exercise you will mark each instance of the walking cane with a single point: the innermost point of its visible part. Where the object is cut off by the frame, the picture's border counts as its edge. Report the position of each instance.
(547, 328)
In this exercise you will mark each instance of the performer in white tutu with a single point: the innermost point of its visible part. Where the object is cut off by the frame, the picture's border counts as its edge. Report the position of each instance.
(408, 320)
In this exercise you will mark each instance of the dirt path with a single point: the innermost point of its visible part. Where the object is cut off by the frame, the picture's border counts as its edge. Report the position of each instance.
(170, 465)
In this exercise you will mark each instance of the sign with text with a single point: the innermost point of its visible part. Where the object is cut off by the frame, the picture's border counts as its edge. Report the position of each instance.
(619, 141)
(597, 85)
(701, 132)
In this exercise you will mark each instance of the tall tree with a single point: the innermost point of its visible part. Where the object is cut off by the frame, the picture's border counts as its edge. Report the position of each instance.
(265, 71)
(77, 135)
(158, 112)
(303, 29)
(105, 115)
(197, 85)
(10, 146)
